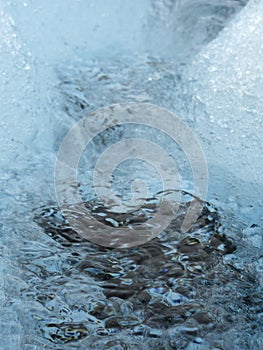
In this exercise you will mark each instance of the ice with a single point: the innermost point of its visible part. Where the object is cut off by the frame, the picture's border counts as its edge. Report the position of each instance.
(219, 96)
(47, 33)
(253, 235)
(69, 26)
(183, 27)
(227, 81)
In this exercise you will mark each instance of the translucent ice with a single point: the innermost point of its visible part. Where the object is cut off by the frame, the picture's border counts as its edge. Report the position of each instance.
(221, 99)
(227, 78)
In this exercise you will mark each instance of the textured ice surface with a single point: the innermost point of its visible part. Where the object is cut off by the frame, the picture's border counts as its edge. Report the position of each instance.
(220, 96)
(182, 27)
(227, 79)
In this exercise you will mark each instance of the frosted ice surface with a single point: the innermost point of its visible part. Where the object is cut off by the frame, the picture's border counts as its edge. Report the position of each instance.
(183, 27)
(24, 125)
(54, 29)
(47, 32)
(228, 80)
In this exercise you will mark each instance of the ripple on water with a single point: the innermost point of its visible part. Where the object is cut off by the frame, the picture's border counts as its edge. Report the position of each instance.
(167, 293)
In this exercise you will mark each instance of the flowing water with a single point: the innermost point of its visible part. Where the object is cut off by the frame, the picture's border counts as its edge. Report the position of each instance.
(198, 290)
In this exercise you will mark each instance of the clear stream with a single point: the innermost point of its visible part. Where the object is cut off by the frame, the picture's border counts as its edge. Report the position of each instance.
(60, 61)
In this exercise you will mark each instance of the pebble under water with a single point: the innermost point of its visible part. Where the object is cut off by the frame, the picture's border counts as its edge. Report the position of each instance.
(174, 292)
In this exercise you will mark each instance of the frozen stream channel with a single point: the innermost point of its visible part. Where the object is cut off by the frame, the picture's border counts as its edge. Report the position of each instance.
(62, 60)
